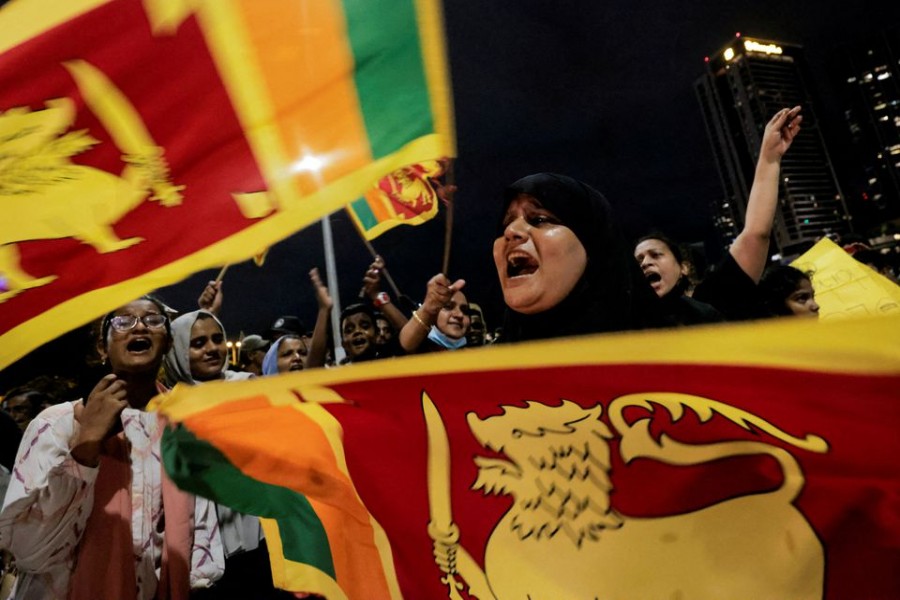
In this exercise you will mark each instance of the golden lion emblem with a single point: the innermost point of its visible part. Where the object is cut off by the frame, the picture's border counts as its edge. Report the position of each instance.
(51, 197)
(410, 186)
(562, 539)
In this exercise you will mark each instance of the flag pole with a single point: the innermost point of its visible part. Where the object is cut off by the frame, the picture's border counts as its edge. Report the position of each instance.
(331, 274)
(449, 189)
(221, 274)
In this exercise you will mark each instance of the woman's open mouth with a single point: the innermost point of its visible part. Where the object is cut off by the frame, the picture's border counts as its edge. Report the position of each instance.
(519, 264)
(653, 277)
(139, 345)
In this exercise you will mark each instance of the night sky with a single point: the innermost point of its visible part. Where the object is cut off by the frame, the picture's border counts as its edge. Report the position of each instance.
(601, 91)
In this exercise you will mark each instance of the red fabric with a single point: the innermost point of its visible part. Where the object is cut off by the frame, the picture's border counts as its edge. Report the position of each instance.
(174, 582)
(851, 496)
(104, 566)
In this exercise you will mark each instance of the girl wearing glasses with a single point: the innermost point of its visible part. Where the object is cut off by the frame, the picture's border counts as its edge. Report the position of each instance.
(89, 512)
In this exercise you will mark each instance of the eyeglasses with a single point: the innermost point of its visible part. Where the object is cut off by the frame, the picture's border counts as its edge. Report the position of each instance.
(128, 322)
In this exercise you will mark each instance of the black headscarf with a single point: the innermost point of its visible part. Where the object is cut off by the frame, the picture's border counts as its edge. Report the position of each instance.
(612, 294)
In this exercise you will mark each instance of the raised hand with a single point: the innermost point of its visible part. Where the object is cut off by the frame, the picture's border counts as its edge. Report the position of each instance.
(372, 279)
(780, 133)
(211, 297)
(323, 297)
(439, 292)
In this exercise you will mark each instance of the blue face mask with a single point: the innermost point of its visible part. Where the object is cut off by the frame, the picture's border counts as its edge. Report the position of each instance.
(443, 341)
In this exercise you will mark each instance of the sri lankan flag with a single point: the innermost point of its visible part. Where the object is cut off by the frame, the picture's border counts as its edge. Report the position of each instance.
(144, 140)
(405, 197)
(734, 461)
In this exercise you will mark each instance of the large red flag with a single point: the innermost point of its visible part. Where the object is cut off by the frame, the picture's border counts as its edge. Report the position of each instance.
(751, 461)
(144, 140)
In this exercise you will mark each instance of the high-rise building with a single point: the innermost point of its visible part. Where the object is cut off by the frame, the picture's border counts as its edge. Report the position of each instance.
(870, 68)
(745, 84)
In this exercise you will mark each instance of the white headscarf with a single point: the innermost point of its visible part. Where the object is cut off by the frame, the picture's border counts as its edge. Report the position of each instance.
(177, 362)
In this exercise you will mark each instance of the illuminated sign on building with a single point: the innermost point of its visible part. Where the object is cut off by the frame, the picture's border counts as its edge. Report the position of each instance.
(752, 46)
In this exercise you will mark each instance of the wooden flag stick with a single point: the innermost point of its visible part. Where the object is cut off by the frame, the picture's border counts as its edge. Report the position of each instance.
(449, 190)
(221, 274)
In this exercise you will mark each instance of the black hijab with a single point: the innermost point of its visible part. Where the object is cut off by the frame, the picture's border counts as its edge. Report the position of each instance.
(612, 294)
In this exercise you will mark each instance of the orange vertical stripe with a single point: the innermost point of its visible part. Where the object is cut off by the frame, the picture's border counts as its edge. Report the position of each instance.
(307, 464)
(376, 205)
(305, 58)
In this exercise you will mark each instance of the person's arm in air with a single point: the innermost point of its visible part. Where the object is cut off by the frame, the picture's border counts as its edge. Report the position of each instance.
(380, 299)
(211, 297)
(438, 293)
(318, 346)
(751, 247)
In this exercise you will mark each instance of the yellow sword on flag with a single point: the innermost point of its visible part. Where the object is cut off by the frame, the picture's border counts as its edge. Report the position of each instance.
(129, 133)
(449, 555)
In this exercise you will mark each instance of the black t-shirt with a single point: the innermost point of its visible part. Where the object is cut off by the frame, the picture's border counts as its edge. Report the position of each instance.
(731, 291)
(683, 310)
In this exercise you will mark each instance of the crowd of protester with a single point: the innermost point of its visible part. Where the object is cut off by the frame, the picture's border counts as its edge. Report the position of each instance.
(82, 479)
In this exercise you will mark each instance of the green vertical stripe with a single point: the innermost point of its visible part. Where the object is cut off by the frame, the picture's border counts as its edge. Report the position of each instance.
(199, 468)
(390, 73)
(364, 213)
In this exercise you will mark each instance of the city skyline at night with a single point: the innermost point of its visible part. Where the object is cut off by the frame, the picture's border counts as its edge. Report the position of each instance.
(747, 81)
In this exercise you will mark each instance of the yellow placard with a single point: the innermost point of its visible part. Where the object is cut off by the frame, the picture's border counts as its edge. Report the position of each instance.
(844, 286)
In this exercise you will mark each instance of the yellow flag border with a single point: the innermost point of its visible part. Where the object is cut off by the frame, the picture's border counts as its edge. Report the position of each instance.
(36, 17)
(68, 315)
(430, 17)
(289, 574)
(866, 347)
